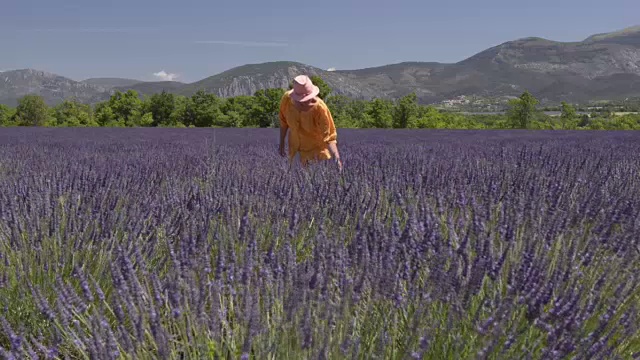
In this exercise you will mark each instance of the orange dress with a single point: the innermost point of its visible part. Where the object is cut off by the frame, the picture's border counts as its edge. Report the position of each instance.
(310, 132)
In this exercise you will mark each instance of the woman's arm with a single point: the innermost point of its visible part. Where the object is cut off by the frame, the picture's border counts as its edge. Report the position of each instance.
(284, 127)
(283, 134)
(333, 147)
(329, 133)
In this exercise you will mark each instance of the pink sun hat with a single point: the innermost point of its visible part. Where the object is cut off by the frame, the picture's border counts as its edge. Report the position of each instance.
(303, 89)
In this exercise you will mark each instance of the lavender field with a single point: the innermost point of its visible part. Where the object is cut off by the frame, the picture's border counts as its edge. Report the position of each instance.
(203, 244)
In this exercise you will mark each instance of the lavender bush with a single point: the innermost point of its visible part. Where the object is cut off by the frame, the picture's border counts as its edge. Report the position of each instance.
(196, 243)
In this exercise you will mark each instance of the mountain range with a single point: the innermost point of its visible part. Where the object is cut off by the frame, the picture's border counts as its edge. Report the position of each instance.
(601, 67)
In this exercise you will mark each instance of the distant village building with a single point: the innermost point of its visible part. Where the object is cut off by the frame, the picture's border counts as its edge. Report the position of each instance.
(458, 100)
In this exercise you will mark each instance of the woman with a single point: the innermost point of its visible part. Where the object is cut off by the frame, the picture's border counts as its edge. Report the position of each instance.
(313, 133)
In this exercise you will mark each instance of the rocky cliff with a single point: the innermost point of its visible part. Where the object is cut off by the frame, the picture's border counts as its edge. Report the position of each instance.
(53, 88)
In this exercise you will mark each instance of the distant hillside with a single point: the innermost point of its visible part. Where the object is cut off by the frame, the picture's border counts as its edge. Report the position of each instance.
(603, 66)
(110, 83)
(247, 79)
(397, 80)
(53, 88)
(152, 87)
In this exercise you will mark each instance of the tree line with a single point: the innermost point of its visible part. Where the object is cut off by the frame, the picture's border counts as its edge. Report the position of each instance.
(202, 109)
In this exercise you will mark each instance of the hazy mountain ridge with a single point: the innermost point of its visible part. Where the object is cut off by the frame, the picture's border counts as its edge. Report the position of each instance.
(603, 66)
(151, 87)
(110, 83)
(247, 79)
(52, 87)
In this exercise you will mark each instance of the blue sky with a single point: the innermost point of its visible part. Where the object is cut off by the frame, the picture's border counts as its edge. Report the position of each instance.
(195, 39)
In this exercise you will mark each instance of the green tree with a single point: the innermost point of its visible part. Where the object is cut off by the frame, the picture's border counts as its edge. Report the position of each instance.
(183, 114)
(105, 116)
(32, 111)
(73, 113)
(161, 106)
(238, 111)
(206, 110)
(341, 110)
(584, 121)
(626, 122)
(6, 115)
(261, 110)
(145, 119)
(597, 123)
(430, 118)
(568, 116)
(357, 111)
(378, 114)
(522, 110)
(266, 107)
(405, 110)
(128, 109)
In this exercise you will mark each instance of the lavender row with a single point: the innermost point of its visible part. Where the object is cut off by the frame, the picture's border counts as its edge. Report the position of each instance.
(170, 243)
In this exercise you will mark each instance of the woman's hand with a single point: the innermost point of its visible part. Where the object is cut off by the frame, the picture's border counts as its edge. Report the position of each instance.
(333, 148)
(282, 151)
